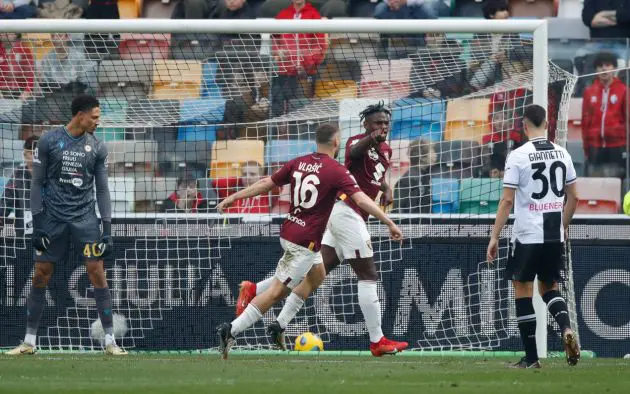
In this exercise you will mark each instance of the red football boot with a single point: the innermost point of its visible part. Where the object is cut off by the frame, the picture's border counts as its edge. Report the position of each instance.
(386, 346)
(246, 293)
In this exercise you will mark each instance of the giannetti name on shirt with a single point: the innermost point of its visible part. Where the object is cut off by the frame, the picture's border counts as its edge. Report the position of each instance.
(310, 167)
(550, 206)
(546, 155)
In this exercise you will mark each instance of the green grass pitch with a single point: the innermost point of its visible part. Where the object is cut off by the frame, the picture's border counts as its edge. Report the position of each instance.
(207, 373)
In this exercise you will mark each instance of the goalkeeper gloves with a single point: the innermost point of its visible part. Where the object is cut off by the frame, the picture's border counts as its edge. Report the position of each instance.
(41, 240)
(106, 244)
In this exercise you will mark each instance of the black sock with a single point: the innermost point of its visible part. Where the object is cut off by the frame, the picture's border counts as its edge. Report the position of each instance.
(35, 304)
(103, 300)
(526, 318)
(558, 308)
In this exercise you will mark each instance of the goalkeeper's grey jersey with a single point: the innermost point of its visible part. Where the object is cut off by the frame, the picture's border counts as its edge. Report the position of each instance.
(65, 171)
(539, 171)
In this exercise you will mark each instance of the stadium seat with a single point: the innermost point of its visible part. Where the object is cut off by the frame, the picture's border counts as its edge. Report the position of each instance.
(132, 157)
(3, 182)
(113, 114)
(598, 195)
(10, 119)
(336, 89)
(151, 192)
(122, 193)
(124, 78)
(194, 46)
(467, 119)
(228, 156)
(153, 113)
(198, 119)
(576, 150)
(40, 43)
(333, 70)
(417, 118)
(129, 9)
(144, 46)
(533, 8)
(157, 9)
(570, 9)
(11, 152)
(478, 196)
(176, 79)
(346, 46)
(575, 119)
(468, 9)
(281, 151)
(454, 155)
(385, 78)
(445, 195)
(209, 87)
(185, 157)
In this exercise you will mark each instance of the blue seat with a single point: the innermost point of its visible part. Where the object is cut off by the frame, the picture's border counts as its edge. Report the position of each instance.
(281, 151)
(445, 195)
(210, 89)
(416, 118)
(198, 119)
(3, 182)
(576, 150)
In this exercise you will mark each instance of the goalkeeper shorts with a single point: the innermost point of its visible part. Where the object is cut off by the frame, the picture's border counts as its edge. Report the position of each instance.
(84, 235)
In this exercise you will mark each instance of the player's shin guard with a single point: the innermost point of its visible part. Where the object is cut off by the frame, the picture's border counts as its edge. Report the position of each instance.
(248, 318)
(558, 308)
(526, 318)
(34, 308)
(103, 300)
(291, 307)
(371, 308)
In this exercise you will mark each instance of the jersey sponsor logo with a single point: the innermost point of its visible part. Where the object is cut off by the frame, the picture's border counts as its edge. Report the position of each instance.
(551, 206)
(76, 182)
(88, 148)
(296, 220)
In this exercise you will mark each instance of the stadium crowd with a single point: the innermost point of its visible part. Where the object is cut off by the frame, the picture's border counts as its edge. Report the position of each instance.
(314, 71)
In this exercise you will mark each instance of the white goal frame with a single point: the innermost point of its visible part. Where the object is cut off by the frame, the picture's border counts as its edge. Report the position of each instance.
(536, 27)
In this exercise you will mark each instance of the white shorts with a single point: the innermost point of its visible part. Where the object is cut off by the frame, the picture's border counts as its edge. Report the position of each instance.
(295, 263)
(347, 233)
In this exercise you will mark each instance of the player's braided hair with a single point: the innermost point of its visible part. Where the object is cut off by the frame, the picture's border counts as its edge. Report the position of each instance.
(375, 108)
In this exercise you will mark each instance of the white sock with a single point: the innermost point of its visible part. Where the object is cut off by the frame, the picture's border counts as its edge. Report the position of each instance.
(30, 339)
(109, 340)
(248, 318)
(291, 307)
(264, 285)
(371, 308)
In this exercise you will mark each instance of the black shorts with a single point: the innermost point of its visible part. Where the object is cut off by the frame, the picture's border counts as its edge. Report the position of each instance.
(84, 234)
(525, 261)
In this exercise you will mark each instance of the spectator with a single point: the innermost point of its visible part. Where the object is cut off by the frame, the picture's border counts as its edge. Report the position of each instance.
(234, 9)
(297, 56)
(327, 8)
(604, 111)
(496, 9)
(17, 74)
(251, 172)
(186, 199)
(412, 193)
(607, 18)
(409, 9)
(438, 69)
(196, 9)
(66, 68)
(497, 166)
(17, 193)
(16, 9)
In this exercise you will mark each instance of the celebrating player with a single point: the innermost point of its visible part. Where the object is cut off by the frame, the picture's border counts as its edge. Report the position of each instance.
(538, 175)
(347, 238)
(315, 179)
(67, 163)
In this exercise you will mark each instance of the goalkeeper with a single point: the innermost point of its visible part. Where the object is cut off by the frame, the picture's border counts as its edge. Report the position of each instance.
(67, 163)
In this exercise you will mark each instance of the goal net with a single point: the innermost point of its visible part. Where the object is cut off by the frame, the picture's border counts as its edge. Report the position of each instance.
(190, 117)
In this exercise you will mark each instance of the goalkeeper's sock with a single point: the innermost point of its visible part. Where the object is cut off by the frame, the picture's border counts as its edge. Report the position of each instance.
(371, 308)
(526, 318)
(291, 307)
(264, 285)
(103, 300)
(248, 318)
(558, 308)
(34, 308)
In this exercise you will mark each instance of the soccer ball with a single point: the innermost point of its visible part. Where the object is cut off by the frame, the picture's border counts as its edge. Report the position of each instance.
(120, 328)
(308, 342)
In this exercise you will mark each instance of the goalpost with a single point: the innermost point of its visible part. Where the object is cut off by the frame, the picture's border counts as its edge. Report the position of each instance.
(172, 90)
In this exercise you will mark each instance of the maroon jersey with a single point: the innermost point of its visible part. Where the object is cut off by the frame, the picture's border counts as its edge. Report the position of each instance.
(368, 170)
(315, 180)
